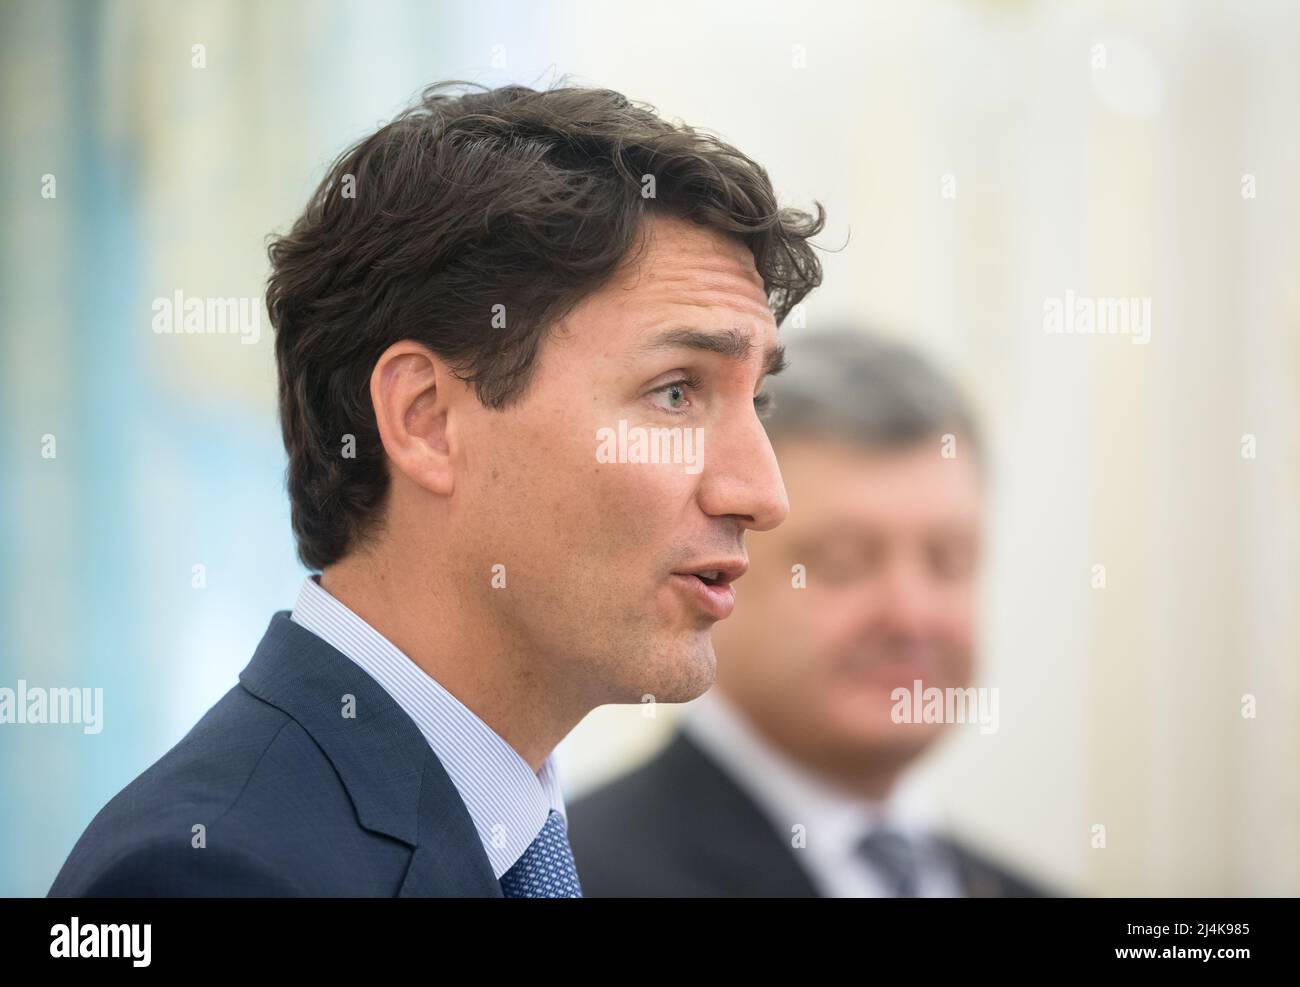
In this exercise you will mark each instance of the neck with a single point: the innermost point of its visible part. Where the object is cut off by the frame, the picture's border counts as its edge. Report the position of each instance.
(870, 781)
(448, 635)
(871, 777)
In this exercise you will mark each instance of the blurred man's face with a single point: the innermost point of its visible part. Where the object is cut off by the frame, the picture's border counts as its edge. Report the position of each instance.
(599, 554)
(890, 544)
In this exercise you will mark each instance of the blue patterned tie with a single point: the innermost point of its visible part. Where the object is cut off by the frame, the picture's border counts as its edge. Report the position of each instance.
(546, 869)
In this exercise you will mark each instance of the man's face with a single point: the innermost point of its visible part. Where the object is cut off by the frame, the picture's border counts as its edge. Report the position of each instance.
(889, 542)
(594, 551)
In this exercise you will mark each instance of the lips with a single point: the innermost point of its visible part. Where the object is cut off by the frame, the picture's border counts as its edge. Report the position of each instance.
(708, 585)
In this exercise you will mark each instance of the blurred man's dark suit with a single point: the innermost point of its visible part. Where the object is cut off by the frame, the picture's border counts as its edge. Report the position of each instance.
(680, 826)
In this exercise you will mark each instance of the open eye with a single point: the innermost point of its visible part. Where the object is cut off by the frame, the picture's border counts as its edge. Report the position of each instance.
(676, 394)
(952, 560)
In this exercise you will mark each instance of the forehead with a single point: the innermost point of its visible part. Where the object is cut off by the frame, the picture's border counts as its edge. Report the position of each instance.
(680, 254)
(681, 265)
(911, 486)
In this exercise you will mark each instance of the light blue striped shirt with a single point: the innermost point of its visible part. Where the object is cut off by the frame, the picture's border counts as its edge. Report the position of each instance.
(506, 800)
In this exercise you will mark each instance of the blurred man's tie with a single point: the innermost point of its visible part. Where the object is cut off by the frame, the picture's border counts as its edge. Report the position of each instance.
(546, 869)
(894, 858)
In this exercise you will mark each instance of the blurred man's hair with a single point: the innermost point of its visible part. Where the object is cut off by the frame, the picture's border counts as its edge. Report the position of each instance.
(863, 389)
(474, 203)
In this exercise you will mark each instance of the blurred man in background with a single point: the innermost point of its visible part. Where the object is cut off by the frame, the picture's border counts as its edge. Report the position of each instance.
(786, 778)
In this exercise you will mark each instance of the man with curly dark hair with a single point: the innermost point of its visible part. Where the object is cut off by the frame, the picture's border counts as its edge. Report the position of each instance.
(522, 338)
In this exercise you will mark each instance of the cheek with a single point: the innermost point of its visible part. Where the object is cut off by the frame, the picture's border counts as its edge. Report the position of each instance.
(553, 494)
(761, 646)
(836, 622)
(959, 649)
(956, 623)
(784, 630)
(525, 493)
(635, 505)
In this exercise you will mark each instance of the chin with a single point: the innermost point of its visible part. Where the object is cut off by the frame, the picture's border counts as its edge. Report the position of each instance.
(909, 739)
(688, 671)
(873, 728)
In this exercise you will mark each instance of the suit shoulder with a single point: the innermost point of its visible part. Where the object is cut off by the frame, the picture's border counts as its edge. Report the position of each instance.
(988, 876)
(207, 793)
(634, 798)
(174, 867)
(633, 834)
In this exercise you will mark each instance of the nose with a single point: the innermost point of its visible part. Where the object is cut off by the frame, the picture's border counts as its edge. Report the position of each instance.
(741, 477)
(905, 597)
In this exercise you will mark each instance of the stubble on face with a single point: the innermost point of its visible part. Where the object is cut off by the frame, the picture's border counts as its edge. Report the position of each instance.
(588, 547)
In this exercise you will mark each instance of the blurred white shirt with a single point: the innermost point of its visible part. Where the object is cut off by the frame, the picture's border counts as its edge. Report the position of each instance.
(834, 821)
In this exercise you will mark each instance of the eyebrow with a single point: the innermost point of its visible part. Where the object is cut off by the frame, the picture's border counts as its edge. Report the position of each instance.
(731, 343)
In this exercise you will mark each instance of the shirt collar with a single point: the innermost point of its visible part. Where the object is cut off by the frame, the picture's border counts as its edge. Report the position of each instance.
(791, 795)
(507, 801)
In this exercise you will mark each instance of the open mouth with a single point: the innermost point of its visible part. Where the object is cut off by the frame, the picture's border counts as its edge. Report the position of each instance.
(725, 572)
(709, 588)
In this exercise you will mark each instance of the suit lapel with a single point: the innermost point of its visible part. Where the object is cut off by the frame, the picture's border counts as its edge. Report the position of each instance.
(977, 880)
(397, 784)
(449, 860)
(737, 851)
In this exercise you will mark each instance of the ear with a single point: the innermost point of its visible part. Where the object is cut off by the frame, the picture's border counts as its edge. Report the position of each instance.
(412, 390)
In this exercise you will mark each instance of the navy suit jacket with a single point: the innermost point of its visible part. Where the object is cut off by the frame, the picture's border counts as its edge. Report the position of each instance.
(294, 798)
(680, 826)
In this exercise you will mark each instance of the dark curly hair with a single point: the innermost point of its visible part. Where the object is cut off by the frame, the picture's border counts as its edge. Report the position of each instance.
(470, 199)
